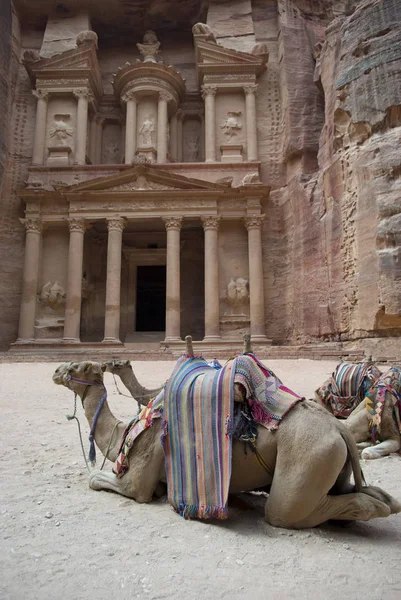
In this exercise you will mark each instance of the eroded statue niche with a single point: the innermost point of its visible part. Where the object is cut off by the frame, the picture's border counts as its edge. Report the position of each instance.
(231, 125)
(52, 296)
(50, 321)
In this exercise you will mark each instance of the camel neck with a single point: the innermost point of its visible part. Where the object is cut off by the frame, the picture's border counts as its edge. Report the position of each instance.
(132, 384)
(106, 422)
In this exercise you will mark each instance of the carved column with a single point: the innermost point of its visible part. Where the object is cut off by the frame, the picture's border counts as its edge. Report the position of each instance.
(132, 283)
(180, 118)
(212, 306)
(93, 140)
(40, 127)
(256, 282)
(173, 308)
(209, 93)
(162, 122)
(174, 137)
(26, 330)
(99, 140)
(251, 132)
(72, 320)
(130, 129)
(83, 96)
(113, 281)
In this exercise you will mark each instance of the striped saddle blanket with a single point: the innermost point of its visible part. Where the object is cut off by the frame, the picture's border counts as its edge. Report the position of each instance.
(347, 387)
(389, 382)
(198, 427)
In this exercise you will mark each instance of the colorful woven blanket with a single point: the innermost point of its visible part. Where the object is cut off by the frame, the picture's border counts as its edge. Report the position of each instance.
(347, 387)
(197, 444)
(389, 382)
(197, 439)
(142, 421)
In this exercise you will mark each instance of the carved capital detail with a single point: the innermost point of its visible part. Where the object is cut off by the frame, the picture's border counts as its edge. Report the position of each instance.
(40, 94)
(254, 222)
(250, 89)
(210, 222)
(173, 222)
(165, 96)
(32, 225)
(130, 95)
(115, 224)
(82, 93)
(76, 225)
(209, 90)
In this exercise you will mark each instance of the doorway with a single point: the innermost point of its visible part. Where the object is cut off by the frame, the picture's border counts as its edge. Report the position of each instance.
(151, 298)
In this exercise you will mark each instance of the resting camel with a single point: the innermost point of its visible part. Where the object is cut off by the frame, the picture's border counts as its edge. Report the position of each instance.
(308, 461)
(388, 434)
(124, 370)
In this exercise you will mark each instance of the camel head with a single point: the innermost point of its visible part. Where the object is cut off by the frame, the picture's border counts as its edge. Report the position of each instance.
(84, 371)
(116, 366)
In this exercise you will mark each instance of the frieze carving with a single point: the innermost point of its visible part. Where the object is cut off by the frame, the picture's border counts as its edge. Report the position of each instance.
(32, 225)
(83, 93)
(254, 222)
(76, 225)
(209, 90)
(129, 95)
(52, 295)
(115, 224)
(173, 222)
(231, 124)
(165, 96)
(228, 77)
(63, 82)
(141, 183)
(60, 130)
(40, 94)
(210, 222)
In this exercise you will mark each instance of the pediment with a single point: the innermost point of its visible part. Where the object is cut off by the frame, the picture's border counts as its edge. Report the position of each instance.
(142, 179)
(80, 61)
(211, 57)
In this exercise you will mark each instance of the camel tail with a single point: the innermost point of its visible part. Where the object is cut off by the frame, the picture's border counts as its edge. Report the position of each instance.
(354, 457)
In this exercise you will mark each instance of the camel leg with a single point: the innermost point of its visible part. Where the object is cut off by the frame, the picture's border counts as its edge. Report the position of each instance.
(382, 449)
(100, 480)
(363, 445)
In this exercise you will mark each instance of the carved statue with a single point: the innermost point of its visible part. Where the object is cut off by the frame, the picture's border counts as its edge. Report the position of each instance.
(231, 125)
(87, 288)
(146, 131)
(192, 145)
(150, 46)
(203, 29)
(52, 295)
(237, 293)
(60, 130)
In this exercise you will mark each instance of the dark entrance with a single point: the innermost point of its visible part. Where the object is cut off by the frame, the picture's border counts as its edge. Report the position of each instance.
(151, 299)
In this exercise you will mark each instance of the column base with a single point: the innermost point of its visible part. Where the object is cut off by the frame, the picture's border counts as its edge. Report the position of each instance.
(111, 340)
(212, 338)
(71, 340)
(260, 338)
(172, 339)
(23, 341)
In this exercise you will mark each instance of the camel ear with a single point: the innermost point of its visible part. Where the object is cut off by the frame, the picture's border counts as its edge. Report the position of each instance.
(127, 363)
(72, 367)
(97, 370)
(87, 366)
(103, 366)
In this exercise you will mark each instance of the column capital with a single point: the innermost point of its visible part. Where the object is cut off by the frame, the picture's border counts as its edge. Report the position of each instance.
(40, 94)
(83, 93)
(254, 222)
(32, 225)
(250, 89)
(173, 222)
(99, 120)
(165, 96)
(210, 222)
(130, 95)
(76, 225)
(209, 90)
(115, 224)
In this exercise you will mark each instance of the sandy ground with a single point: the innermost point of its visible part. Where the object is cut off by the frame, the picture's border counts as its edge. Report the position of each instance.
(59, 539)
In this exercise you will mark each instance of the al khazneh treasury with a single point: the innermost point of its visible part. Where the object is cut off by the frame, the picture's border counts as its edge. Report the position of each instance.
(213, 169)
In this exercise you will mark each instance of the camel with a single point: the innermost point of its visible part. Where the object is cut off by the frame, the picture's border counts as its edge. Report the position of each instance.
(307, 461)
(124, 370)
(389, 436)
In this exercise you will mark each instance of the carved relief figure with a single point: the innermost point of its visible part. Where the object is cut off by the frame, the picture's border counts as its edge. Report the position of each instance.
(60, 130)
(237, 294)
(231, 125)
(192, 146)
(146, 132)
(150, 46)
(52, 295)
